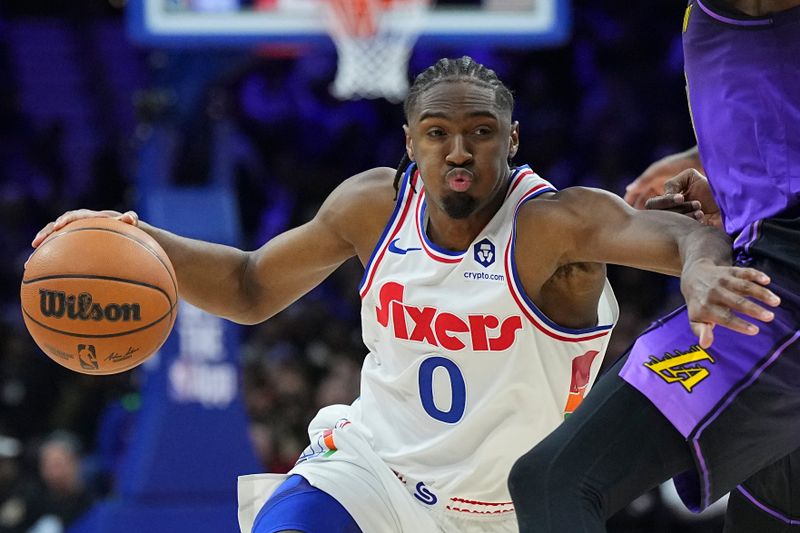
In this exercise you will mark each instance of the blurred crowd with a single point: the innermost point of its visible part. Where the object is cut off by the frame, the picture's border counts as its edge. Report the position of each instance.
(594, 112)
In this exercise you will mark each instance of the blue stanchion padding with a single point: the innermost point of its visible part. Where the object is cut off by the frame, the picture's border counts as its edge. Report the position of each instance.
(121, 516)
(190, 440)
(207, 213)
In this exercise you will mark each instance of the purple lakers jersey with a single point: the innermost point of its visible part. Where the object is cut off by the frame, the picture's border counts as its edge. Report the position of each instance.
(744, 96)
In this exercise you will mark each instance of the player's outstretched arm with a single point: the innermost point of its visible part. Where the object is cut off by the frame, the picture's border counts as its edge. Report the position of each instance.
(596, 226)
(651, 182)
(249, 287)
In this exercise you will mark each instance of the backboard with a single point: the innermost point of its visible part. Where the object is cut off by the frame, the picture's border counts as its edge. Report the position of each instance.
(513, 23)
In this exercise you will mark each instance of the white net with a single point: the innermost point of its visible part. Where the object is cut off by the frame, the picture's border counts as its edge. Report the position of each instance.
(374, 39)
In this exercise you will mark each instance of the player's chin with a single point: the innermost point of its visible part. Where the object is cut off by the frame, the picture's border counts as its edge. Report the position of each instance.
(459, 205)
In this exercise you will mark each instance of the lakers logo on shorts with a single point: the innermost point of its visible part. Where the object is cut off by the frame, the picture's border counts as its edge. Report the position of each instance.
(682, 367)
(686, 16)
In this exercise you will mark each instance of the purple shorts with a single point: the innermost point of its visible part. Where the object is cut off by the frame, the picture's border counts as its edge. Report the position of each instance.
(737, 403)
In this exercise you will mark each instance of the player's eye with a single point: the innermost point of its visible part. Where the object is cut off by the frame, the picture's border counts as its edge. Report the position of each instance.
(483, 130)
(435, 132)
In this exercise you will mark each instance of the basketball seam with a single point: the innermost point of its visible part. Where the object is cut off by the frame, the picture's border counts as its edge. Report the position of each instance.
(170, 314)
(103, 336)
(106, 278)
(135, 239)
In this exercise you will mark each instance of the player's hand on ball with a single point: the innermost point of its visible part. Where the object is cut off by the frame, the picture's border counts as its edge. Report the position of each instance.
(129, 217)
(99, 296)
(722, 295)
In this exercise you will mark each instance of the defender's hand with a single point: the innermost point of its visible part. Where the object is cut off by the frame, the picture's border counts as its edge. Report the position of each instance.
(651, 182)
(689, 194)
(715, 294)
(129, 217)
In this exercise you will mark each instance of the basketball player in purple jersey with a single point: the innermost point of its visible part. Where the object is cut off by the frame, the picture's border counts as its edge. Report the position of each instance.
(720, 413)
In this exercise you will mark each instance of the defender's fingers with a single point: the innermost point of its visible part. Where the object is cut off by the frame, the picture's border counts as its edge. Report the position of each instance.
(663, 202)
(704, 333)
(743, 305)
(631, 194)
(725, 317)
(751, 274)
(636, 195)
(690, 209)
(752, 289)
(672, 202)
(680, 182)
(637, 201)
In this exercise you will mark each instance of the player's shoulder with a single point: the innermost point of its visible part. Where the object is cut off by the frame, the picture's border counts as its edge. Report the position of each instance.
(554, 206)
(371, 190)
(361, 201)
(563, 203)
(565, 214)
(376, 183)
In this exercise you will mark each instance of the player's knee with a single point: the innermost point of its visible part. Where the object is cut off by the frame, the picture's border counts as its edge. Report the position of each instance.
(537, 489)
(547, 488)
(528, 475)
(549, 470)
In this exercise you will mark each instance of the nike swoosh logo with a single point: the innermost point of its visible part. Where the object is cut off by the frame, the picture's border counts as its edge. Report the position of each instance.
(400, 251)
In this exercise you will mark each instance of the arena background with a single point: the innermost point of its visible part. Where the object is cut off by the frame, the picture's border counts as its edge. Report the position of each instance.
(235, 144)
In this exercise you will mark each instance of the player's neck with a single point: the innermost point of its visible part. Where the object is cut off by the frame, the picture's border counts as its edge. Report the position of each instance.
(458, 234)
(454, 235)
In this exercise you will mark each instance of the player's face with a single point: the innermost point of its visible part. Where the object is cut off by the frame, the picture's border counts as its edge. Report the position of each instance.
(461, 141)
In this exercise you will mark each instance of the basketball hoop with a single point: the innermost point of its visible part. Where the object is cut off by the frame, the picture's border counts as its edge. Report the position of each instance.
(374, 39)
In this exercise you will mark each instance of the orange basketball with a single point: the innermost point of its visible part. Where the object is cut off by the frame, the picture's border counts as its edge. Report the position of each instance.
(99, 296)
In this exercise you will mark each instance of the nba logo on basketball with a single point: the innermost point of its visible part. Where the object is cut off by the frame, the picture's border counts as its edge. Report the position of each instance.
(484, 252)
(87, 356)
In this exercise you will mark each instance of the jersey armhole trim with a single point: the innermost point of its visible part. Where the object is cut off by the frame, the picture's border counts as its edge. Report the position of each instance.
(393, 226)
(526, 305)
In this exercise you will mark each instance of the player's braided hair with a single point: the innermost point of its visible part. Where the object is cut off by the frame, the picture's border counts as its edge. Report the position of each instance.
(462, 69)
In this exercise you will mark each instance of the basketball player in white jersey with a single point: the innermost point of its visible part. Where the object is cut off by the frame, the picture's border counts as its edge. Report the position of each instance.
(486, 313)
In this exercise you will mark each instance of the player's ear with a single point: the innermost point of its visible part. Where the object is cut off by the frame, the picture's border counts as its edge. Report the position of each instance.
(513, 140)
(409, 142)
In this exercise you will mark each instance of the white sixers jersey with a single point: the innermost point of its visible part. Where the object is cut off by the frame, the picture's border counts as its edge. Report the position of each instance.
(464, 374)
